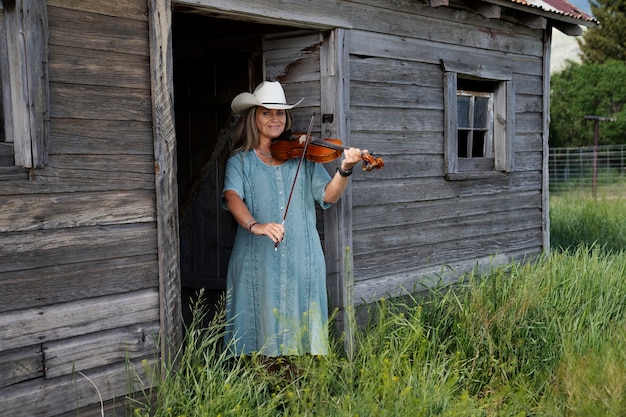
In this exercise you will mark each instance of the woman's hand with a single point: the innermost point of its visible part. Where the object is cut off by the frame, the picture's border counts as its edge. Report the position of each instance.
(275, 231)
(337, 185)
(351, 157)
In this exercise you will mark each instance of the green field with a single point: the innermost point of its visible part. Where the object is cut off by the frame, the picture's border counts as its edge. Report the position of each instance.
(545, 339)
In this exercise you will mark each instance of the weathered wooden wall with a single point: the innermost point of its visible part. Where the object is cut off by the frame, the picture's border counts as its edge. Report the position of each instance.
(79, 261)
(408, 220)
(78, 254)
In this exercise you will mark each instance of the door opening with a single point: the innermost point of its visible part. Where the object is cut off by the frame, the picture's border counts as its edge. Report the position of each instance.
(214, 59)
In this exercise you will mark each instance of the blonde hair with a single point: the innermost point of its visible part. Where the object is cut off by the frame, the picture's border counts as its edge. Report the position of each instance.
(246, 135)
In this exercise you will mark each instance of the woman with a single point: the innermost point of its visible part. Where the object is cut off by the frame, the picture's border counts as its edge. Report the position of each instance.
(276, 282)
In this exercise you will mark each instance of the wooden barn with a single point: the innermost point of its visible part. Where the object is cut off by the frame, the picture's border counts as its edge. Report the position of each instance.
(117, 126)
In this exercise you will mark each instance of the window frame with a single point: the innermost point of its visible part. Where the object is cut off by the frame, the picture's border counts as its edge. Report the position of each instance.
(25, 81)
(503, 132)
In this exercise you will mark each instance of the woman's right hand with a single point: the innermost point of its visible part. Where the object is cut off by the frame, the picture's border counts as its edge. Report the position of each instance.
(274, 231)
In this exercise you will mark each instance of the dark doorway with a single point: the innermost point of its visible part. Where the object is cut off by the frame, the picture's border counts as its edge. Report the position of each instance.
(214, 59)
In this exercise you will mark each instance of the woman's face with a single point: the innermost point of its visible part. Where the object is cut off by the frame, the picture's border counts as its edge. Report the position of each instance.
(270, 122)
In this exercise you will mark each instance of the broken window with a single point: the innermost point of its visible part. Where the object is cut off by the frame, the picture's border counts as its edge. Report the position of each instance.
(479, 114)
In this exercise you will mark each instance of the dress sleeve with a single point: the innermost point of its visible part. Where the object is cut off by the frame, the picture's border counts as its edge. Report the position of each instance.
(233, 178)
(320, 180)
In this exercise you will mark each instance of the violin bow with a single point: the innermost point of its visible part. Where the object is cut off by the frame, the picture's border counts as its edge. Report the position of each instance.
(293, 184)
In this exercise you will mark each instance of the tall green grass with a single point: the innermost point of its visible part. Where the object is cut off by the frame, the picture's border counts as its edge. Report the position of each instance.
(544, 338)
(576, 218)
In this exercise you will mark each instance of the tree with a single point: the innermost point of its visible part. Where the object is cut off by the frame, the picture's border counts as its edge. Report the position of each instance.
(588, 89)
(608, 41)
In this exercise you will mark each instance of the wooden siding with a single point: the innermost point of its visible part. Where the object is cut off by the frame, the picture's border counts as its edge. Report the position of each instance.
(79, 278)
(412, 227)
(89, 274)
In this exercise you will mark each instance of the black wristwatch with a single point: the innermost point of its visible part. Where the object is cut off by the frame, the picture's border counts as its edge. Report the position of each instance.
(344, 173)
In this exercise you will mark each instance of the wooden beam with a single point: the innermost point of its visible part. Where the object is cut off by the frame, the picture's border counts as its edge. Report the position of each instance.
(162, 73)
(568, 29)
(338, 218)
(26, 30)
(533, 21)
(553, 17)
(545, 149)
(488, 10)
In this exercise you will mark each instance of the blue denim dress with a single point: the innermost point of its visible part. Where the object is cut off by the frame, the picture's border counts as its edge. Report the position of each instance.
(276, 299)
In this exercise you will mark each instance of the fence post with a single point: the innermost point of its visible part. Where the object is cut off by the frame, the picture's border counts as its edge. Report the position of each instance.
(596, 138)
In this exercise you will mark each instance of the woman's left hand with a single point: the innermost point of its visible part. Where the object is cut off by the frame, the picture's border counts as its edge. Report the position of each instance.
(351, 157)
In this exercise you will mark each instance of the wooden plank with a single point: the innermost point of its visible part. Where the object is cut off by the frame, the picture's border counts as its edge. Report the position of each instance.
(394, 71)
(62, 283)
(49, 398)
(82, 353)
(118, 171)
(13, 175)
(414, 281)
(462, 11)
(528, 84)
(111, 408)
(526, 103)
(98, 102)
(528, 142)
(36, 35)
(135, 9)
(438, 3)
(450, 124)
(445, 229)
(337, 231)
(27, 57)
(528, 161)
(101, 137)
(20, 365)
(490, 11)
(403, 166)
(393, 191)
(79, 29)
(418, 189)
(391, 271)
(545, 149)
(402, 96)
(315, 14)
(381, 119)
(278, 69)
(103, 68)
(60, 321)
(399, 143)
(44, 248)
(390, 46)
(5, 78)
(422, 212)
(6, 154)
(64, 177)
(160, 24)
(55, 211)
(426, 255)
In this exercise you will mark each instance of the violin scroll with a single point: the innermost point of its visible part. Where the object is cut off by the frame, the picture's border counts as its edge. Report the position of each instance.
(370, 162)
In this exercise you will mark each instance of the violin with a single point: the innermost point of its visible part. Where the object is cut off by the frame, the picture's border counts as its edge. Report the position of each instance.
(291, 145)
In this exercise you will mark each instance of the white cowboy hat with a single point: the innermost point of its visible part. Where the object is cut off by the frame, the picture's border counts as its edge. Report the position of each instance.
(268, 94)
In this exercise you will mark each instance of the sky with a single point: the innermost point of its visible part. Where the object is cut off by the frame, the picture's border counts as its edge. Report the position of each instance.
(582, 5)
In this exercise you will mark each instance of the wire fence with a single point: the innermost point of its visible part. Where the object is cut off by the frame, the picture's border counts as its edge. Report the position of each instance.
(588, 168)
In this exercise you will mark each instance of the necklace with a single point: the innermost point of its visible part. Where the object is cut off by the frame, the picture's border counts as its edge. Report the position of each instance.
(268, 155)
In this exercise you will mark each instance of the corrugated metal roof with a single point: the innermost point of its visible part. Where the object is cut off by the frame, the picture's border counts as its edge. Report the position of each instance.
(557, 6)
